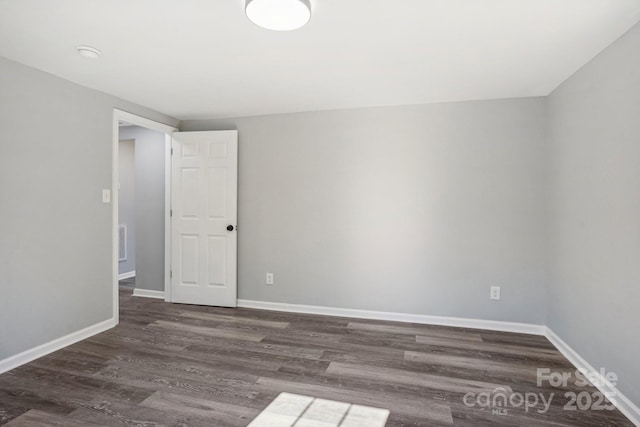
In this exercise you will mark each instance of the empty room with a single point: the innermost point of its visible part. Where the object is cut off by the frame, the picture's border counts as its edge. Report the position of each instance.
(319, 213)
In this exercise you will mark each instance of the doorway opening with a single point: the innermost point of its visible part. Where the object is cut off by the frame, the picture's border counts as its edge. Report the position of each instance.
(141, 206)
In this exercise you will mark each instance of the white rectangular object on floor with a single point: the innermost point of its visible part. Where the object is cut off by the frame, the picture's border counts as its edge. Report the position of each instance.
(294, 410)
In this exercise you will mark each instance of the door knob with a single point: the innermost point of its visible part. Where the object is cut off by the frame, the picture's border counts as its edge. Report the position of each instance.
(229, 227)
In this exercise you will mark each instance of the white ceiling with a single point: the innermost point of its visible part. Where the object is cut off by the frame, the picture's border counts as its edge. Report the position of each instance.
(204, 59)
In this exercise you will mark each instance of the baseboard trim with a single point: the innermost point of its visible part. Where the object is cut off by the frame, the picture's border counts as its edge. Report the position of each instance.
(27, 356)
(127, 275)
(622, 402)
(492, 325)
(146, 293)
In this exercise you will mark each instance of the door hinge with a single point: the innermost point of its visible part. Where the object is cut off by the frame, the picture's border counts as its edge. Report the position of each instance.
(171, 212)
(172, 151)
(170, 274)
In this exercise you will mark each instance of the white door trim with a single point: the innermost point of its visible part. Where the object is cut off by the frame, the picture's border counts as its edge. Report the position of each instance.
(118, 116)
(168, 141)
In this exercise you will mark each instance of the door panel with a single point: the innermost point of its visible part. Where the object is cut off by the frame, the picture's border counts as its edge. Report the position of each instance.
(188, 260)
(204, 202)
(217, 260)
(217, 195)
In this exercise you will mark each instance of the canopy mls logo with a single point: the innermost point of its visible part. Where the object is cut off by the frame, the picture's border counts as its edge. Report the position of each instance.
(500, 400)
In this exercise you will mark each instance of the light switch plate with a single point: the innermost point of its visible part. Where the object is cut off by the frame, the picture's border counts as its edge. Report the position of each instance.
(106, 196)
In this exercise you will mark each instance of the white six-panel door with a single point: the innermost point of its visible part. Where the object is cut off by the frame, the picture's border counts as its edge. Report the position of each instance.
(204, 187)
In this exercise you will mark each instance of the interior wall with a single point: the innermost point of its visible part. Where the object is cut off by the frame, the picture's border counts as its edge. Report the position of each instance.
(127, 201)
(594, 188)
(149, 212)
(416, 209)
(56, 245)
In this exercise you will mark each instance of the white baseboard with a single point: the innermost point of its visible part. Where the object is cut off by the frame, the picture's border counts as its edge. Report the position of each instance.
(44, 349)
(137, 292)
(127, 275)
(626, 406)
(492, 325)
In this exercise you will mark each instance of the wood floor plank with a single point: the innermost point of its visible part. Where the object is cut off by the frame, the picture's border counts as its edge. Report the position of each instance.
(203, 330)
(335, 345)
(480, 363)
(9, 411)
(223, 390)
(234, 319)
(16, 399)
(493, 348)
(389, 375)
(202, 408)
(192, 360)
(71, 362)
(67, 391)
(510, 338)
(36, 418)
(119, 414)
(418, 330)
(470, 373)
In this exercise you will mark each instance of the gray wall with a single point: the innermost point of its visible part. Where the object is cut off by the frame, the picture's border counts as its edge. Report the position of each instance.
(594, 189)
(414, 209)
(149, 205)
(55, 245)
(126, 201)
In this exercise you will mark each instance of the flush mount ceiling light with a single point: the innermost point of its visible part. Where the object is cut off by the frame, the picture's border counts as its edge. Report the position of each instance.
(279, 15)
(88, 52)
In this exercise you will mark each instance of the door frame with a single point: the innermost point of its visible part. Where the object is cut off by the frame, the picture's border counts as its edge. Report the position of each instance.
(118, 116)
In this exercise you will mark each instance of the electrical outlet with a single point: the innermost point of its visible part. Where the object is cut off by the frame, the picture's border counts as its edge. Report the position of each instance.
(495, 293)
(269, 279)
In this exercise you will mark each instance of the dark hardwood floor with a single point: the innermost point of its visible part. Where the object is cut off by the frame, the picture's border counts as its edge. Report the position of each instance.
(180, 365)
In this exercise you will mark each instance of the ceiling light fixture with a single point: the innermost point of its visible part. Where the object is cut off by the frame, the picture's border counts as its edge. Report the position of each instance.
(279, 15)
(88, 52)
